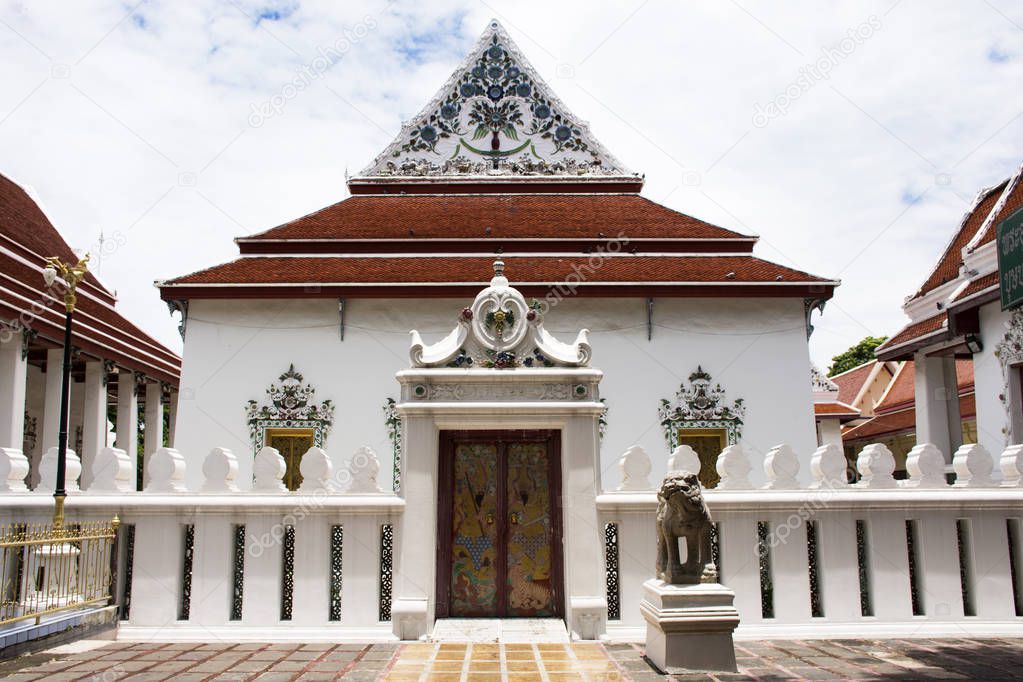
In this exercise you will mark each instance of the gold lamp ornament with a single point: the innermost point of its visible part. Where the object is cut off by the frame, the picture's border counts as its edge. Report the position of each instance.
(71, 276)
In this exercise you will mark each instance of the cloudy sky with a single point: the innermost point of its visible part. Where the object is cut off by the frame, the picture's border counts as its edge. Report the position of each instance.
(850, 136)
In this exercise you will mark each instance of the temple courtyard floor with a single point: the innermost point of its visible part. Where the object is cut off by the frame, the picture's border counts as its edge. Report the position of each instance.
(890, 659)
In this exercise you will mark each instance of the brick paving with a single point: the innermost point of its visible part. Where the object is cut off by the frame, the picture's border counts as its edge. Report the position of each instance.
(893, 659)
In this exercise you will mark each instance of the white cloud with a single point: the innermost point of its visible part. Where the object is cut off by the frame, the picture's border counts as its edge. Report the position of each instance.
(112, 110)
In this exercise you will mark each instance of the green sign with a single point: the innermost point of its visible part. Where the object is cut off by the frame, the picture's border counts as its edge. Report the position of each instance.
(1010, 259)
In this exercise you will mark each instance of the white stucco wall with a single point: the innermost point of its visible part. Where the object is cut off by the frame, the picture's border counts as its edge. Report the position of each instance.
(234, 349)
(987, 372)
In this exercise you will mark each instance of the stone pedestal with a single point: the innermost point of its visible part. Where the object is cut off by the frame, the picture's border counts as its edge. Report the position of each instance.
(689, 627)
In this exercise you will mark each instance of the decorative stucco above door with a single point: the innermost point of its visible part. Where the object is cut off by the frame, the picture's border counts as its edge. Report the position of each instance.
(500, 330)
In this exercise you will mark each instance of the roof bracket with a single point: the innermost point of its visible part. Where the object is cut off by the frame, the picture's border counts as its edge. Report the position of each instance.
(809, 305)
(180, 306)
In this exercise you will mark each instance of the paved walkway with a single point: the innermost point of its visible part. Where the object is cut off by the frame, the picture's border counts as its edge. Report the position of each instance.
(916, 659)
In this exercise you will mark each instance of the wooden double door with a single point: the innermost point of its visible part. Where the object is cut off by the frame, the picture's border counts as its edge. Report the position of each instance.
(499, 535)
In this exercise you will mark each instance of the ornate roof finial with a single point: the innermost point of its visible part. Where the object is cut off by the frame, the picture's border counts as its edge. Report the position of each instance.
(499, 278)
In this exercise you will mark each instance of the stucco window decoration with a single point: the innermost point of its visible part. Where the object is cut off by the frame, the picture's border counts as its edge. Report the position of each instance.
(698, 406)
(1009, 352)
(392, 420)
(290, 406)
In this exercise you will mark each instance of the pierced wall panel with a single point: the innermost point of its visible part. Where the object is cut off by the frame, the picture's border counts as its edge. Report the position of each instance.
(129, 569)
(238, 572)
(188, 554)
(766, 580)
(813, 557)
(614, 594)
(287, 571)
(715, 550)
(337, 539)
(913, 554)
(1013, 536)
(386, 569)
(963, 541)
(863, 564)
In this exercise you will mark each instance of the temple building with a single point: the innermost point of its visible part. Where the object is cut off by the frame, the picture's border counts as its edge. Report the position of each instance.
(557, 318)
(965, 331)
(116, 367)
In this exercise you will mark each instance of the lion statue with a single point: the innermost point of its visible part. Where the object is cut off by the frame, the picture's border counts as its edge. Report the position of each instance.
(682, 513)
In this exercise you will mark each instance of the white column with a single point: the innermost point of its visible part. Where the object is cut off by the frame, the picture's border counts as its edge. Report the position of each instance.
(955, 420)
(932, 401)
(94, 419)
(127, 416)
(583, 534)
(172, 417)
(154, 426)
(51, 406)
(13, 380)
(829, 431)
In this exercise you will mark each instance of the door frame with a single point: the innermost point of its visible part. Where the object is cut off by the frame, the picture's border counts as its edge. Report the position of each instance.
(445, 500)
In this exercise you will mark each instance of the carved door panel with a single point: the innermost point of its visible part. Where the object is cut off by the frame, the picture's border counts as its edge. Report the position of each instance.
(474, 566)
(530, 581)
(292, 444)
(499, 534)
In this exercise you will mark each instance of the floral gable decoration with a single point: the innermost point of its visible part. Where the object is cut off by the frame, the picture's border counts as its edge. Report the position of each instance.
(495, 114)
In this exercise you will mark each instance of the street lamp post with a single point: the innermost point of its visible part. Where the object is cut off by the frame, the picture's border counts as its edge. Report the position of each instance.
(71, 276)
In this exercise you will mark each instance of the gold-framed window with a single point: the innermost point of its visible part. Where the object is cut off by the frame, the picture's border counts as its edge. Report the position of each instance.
(708, 444)
(292, 444)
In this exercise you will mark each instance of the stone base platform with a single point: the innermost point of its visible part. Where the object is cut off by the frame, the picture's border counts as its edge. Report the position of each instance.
(689, 627)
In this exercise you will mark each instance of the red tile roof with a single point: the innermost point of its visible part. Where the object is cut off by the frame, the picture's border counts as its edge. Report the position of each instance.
(951, 260)
(29, 231)
(851, 381)
(1012, 203)
(902, 391)
(903, 421)
(891, 423)
(565, 216)
(99, 330)
(978, 285)
(913, 332)
(835, 409)
(717, 270)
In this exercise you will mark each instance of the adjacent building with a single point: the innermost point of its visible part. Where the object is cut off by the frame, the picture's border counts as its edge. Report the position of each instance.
(967, 311)
(116, 367)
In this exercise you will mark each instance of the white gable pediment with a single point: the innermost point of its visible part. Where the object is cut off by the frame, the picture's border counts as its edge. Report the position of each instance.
(495, 116)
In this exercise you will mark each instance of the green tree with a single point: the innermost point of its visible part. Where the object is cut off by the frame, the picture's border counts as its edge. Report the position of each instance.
(856, 355)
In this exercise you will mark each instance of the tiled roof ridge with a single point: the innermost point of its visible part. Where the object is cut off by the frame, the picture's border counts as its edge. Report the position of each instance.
(987, 225)
(562, 201)
(978, 199)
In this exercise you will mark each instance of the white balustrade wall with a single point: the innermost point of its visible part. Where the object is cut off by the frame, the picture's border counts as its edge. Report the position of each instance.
(260, 566)
(877, 558)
